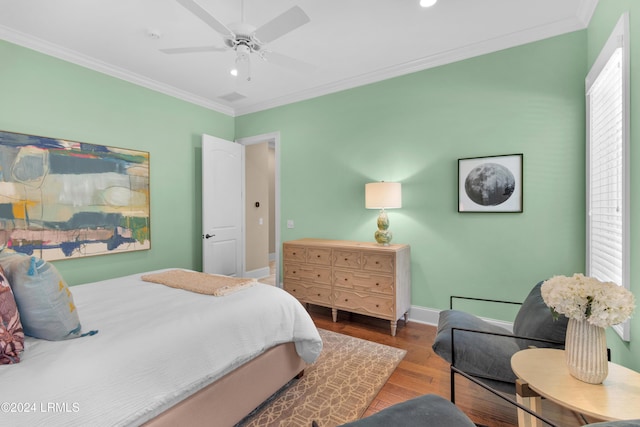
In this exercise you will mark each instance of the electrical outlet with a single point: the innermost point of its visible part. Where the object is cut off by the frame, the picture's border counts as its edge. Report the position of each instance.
(290, 223)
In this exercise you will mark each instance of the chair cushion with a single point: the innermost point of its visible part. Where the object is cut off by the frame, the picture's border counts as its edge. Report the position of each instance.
(427, 410)
(534, 319)
(477, 354)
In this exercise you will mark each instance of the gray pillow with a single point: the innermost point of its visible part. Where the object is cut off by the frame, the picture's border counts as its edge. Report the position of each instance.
(534, 319)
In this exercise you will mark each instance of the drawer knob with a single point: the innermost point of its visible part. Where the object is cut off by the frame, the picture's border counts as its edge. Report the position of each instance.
(294, 272)
(346, 280)
(318, 275)
(346, 259)
(318, 256)
(377, 305)
(294, 253)
(346, 299)
(318, 294)
(377, 284)
(377, 262)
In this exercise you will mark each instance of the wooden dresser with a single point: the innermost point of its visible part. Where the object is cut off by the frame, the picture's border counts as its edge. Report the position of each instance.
(358, 277)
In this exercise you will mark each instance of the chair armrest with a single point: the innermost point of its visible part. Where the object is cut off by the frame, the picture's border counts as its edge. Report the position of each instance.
(451, 298)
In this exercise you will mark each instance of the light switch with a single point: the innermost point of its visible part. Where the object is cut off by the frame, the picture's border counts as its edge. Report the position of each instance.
(290, 223)
(260, 221)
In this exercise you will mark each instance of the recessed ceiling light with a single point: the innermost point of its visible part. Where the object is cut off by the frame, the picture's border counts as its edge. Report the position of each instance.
(427, 3)
(234, 72)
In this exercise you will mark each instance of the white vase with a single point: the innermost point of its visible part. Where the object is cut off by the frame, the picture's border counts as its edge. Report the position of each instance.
(586, 351)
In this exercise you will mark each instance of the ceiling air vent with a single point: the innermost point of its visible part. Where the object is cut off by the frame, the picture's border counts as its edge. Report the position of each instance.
(233, 97)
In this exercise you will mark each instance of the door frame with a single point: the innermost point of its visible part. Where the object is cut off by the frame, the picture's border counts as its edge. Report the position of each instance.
(271, 138)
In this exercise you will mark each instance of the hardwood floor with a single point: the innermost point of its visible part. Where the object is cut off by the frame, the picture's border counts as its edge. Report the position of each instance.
(422, 372)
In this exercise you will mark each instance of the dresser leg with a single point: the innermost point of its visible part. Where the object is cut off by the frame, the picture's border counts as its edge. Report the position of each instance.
(394, 326)
(334, 314)
(406, 317)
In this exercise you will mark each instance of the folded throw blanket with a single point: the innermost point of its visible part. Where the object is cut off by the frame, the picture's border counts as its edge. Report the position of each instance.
(202, 283)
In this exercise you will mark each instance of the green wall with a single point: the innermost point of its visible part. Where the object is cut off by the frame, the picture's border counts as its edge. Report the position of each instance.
(604, 20)
(528, 99)
(412, 129)
(45, 96)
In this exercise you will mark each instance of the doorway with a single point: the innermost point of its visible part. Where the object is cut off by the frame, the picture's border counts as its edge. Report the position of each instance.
(262, 205)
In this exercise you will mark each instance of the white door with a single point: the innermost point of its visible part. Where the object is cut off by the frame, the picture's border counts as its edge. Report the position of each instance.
(222, 213)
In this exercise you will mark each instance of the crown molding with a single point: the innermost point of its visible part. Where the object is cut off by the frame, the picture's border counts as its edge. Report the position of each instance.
(68, 55)
(518, 38)
(586, 11)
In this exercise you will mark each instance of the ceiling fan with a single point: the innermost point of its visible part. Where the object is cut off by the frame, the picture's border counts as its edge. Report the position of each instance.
(245, 39)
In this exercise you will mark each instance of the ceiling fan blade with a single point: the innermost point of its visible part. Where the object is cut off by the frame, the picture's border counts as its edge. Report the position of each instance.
(281, 25)
(205, 16)
(193, 49)
(289, 62)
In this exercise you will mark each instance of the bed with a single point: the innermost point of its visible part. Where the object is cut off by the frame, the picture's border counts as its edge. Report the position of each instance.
(162, 356)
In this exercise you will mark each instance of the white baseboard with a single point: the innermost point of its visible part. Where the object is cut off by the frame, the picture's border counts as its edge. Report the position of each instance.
(257, 273)
(429, 316)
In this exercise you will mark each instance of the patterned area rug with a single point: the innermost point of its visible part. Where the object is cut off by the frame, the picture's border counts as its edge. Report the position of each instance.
(336, 389)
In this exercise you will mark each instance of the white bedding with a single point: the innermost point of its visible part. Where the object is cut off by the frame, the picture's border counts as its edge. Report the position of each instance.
(155, 346)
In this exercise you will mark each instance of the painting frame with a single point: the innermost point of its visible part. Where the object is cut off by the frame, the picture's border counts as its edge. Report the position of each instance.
(491, 184)
(64, 199)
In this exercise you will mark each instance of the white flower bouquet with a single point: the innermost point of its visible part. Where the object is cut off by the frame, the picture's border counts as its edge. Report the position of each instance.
(578, 297)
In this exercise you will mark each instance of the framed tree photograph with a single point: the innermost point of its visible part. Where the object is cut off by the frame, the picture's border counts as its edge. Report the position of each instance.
(490, 184)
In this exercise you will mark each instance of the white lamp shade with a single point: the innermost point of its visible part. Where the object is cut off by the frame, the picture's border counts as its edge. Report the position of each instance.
(383, 195)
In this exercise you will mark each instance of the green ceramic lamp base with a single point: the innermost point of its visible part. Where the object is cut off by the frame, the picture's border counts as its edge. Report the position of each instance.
(383, 235)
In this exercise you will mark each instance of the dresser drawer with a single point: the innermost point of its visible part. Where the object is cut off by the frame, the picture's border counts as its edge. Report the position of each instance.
(347, 259)
(295, 253)
(308, 273)
(320, 256)
(352, 280)
(309, 293)
(364, 303)
(378, 262)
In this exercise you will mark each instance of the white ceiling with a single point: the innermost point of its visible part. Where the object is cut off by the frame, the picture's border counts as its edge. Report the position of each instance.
(348, 42)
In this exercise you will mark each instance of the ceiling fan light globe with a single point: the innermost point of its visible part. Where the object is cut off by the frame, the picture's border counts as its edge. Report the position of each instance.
(243, 50)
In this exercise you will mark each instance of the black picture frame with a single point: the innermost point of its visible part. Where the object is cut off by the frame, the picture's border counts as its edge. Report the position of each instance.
(490, 184)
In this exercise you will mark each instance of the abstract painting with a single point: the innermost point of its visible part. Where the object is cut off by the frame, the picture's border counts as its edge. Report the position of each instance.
(490, 184)
(62, 199)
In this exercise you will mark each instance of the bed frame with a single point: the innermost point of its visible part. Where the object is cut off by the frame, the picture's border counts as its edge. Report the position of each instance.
(228, 400)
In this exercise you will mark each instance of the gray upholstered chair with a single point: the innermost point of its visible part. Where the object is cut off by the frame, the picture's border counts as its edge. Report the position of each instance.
(483, 350)
(433, 410)
(426, 410)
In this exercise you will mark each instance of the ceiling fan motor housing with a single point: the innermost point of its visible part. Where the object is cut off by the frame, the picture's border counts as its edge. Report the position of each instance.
(243, 36)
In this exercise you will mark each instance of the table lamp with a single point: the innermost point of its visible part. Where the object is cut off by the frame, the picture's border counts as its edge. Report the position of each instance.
(383, 195)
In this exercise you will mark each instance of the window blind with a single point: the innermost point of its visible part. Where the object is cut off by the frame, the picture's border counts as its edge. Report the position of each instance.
(606, 172)
(608, 195)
